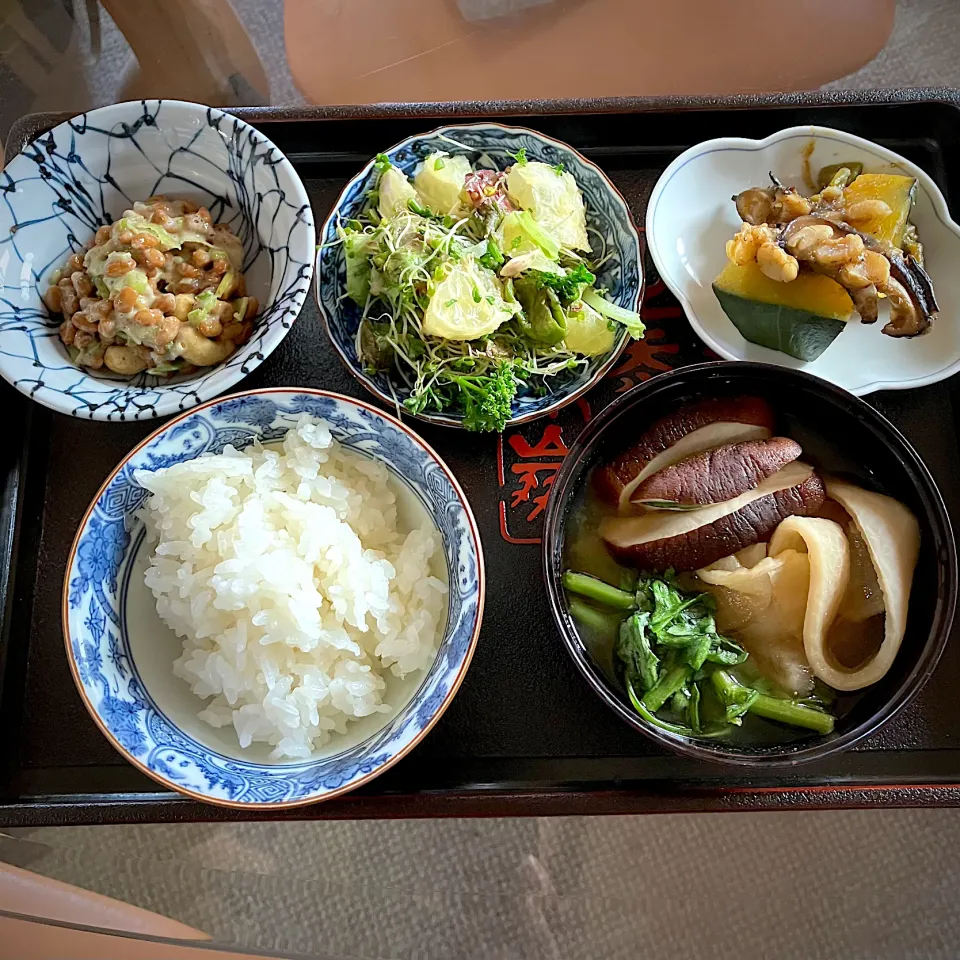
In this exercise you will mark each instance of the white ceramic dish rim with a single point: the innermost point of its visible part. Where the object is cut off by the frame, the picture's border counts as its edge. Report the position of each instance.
(438, 418)
(807, 132)
(213, 384)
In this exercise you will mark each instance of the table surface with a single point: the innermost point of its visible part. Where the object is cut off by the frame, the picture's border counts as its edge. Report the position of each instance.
(74, 56)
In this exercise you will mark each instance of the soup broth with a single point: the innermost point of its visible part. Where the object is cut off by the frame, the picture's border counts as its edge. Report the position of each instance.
(586, 551)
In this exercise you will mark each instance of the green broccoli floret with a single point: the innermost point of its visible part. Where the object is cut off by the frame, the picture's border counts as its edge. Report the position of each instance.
(569, 286)
(487, 398)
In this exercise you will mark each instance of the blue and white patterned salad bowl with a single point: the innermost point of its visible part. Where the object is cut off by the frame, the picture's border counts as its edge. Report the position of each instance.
(492, 145)
(84, 174)
(121, 654)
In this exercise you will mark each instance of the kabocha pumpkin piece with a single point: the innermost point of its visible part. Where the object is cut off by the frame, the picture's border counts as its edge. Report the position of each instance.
(800, 318)
(856, 231)
(875, 191)
(876, 203)
(692, 429)
(716, 475)
(690, 539)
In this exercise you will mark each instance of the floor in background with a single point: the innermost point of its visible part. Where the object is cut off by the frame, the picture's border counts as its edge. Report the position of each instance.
(877, 885)
(860, 884)
(922, 52)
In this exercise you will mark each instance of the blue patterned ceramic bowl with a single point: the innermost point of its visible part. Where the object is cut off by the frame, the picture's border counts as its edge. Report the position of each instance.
(85, 173)
(121, 654)
(489, 145)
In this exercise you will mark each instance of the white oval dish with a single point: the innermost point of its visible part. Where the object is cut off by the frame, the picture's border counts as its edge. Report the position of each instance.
(691, 216)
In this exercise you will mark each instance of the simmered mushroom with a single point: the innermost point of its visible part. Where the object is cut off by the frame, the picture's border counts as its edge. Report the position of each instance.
(756, 204)
(776, 204)
(714, 475)
(866, 268)
(908, 316)
(690, 430)
(867, 302)
(691, 539)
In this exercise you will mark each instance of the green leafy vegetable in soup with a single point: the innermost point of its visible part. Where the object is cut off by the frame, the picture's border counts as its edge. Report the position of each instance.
(679, 671)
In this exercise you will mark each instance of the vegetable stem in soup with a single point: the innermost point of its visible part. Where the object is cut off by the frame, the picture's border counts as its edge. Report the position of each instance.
(702, 684)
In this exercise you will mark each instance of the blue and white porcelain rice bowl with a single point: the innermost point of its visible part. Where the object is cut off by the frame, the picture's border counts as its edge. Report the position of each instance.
(121, 653)
(83, 174)
(610, 227)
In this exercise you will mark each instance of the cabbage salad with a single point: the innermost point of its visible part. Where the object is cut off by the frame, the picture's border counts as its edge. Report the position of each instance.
(474, 282)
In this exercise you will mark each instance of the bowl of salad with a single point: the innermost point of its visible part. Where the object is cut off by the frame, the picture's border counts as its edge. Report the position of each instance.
(479, 275)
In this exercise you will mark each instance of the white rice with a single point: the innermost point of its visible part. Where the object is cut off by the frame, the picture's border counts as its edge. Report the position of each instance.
(294, 591)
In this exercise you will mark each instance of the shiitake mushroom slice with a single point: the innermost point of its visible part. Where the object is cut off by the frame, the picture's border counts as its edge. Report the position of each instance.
(715, 475)
(689, 430)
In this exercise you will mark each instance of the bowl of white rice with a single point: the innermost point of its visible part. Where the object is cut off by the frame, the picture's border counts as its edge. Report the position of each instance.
(273, 598)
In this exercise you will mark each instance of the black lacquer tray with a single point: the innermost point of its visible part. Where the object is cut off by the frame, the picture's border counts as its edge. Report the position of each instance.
(524, 735)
